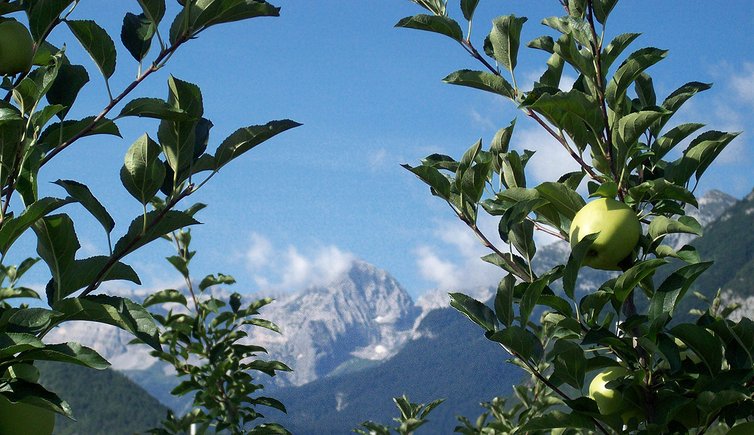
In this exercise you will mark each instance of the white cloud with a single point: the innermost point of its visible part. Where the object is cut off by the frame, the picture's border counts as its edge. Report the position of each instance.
(378, 158)
(482, 120)
(432, 268)
(291, 269)
(742, 83)
(258, 254)
(455, 262)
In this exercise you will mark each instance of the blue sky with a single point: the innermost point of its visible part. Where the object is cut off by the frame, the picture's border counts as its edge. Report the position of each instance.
(371, 97)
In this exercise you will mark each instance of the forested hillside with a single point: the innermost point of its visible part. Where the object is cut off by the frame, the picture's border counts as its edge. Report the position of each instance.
(104, 402)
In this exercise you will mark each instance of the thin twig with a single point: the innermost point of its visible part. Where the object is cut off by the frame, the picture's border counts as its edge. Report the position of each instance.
(588, 169)
(127, 250)
(515, 268)
(597, 51)
(156, 65)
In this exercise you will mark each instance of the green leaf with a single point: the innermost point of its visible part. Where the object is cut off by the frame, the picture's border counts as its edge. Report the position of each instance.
(631, 278)
(671, 139)
(569, 363)
(512, 167)
(521, 237)
(565, 199)
(28, 319)
(66, 87)
(479, 313)
(143, 173)
(530, 298)
(662, 226)
(153, 9)
(18, 292)
(12, 343)
(481, 80)
(558, 419)
(580, 58)
(636, 63)
(433, 178)
(662, 189)
(44, 14)
(504, 300)
(701, 152)
(576, 27)
(164, 297)
(615, 48)
(205, 13)
(602, 9)
(608, 189)
(71, 353)
(499, 145)
(81, 194)
(97, 43)
(505, 38)
(628, 129)
(519, 341)
(675, 100)
(433, 23)
(136, 34)
(575, 260)
(157, 223)
(56, 245)
(178, 138)
(572, 111)
(244, 139)
(213, 280)
(705, 345)
(13, 228)
(645, 90)
(83, 273)
(61, 132)
(153, 108)
(673, 289)
(552, 75)
(33, 394)
(468, 7)
(111, 310)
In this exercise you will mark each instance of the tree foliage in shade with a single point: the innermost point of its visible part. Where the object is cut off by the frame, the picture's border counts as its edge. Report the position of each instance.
(688, 376)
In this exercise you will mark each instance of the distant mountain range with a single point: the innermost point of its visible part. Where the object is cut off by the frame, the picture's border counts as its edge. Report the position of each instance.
(361, 340)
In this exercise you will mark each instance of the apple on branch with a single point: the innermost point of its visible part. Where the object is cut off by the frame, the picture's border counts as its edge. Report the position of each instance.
(16, 48)
(618, 229)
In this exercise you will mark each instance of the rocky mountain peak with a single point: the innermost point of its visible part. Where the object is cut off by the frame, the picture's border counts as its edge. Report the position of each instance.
(362, 314)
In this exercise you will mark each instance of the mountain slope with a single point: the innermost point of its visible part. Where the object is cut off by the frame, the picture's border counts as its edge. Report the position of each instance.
(104, 402)
(729, 242)
(450, 359)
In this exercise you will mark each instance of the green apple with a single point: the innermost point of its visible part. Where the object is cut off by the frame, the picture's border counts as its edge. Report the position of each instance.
(618, 227)
(608, 400)
(23, 419)
(16, 48)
